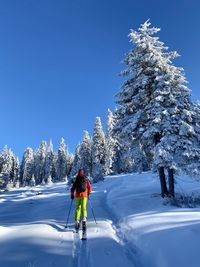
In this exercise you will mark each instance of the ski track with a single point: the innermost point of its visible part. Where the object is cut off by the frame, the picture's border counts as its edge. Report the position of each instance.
(105, 244)
(131, 251)
(99, 249)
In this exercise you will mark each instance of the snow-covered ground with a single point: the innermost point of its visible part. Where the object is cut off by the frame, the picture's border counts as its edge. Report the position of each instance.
(135, 226)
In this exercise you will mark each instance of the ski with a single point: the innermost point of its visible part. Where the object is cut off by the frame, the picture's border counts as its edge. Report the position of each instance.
(77, 230)
(84, 230)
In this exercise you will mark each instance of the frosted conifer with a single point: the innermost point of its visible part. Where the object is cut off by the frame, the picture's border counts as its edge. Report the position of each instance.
(98, 151)
(62, 161)
(85, 154)
(154, 104)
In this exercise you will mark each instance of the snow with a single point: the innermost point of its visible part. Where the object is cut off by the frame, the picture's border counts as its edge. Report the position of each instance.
(135, 227)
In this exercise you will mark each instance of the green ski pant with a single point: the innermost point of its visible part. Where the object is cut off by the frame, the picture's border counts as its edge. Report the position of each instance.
(81, 208)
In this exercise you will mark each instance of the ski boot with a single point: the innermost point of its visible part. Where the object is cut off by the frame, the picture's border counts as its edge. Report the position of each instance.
(77, 226)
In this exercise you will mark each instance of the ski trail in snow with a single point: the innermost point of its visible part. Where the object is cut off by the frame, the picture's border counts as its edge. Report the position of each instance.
(104, 246)
(131, 252)
(80, 252)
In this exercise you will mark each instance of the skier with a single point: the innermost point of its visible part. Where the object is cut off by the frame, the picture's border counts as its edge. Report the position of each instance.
(83, 189)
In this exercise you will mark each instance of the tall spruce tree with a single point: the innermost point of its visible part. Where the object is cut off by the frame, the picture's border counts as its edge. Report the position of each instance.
(15, 172)
(98, 151)
(27, 167)
(110, 143)
(39, 162)
(77, 164)
(49, 163)
(85, 154)
(54, 167)
(6, 167)
(154, 106)
(70, 160)
(62, 161)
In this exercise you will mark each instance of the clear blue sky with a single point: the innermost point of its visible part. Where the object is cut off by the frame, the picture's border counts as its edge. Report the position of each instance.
(60, 60)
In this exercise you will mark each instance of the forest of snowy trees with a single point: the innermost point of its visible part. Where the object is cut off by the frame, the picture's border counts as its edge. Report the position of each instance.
(155, 126)
(98, 155)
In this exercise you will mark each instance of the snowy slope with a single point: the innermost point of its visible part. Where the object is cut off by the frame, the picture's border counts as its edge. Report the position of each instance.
(134, 227)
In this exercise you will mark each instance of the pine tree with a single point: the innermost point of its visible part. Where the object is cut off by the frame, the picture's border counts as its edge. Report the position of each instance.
(62, 161)
(49, 162)
(85, 154)
(98, 152)
(15, 172)
(110, 144)
(39, 162)
(6, 165)
(54, 167)
(77, 163)
(27, 166)
(154, 106)
(70, 160)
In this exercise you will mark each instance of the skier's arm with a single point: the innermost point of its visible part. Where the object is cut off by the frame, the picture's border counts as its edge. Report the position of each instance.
(89, 187)
(73, 188)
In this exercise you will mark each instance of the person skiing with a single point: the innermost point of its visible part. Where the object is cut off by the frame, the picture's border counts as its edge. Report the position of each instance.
(83, 189)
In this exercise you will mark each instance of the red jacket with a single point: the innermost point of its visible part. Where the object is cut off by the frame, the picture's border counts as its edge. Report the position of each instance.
(82, 194)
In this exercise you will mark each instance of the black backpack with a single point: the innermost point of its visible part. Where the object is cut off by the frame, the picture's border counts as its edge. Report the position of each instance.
(80, 184)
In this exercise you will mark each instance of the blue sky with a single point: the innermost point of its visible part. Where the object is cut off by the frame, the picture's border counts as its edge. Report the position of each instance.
(60, 60)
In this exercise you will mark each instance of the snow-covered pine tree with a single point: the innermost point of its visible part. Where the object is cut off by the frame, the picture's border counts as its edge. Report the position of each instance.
(54, 167)
(6, 165)
(190, 156)
(49, 162)
(85, 154)
(154, 105)
(110, 143)
(98, 151)
(27, 167)
(77, 164)
(39, 162)
(62, 161)
(70, 160)
(15, 172)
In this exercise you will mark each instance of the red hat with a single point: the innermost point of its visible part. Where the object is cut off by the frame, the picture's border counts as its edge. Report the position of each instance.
(80, 172)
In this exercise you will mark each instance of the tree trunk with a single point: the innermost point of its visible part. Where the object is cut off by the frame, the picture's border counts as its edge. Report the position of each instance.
(163, 184)
(171, 182)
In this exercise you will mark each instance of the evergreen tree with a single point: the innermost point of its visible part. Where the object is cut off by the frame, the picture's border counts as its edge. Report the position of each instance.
(154, 106)
(39, 162)
(49, 162)
(98, 152)
(110, 144)
(27, 167)
(70, 160)
(77, 163)
(85, 155)
(15, 172)
(54, 167)
(6, 165)
(62, 161)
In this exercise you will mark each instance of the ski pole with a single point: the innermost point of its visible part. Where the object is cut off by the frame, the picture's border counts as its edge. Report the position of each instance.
(92, 210)
(69, 213)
